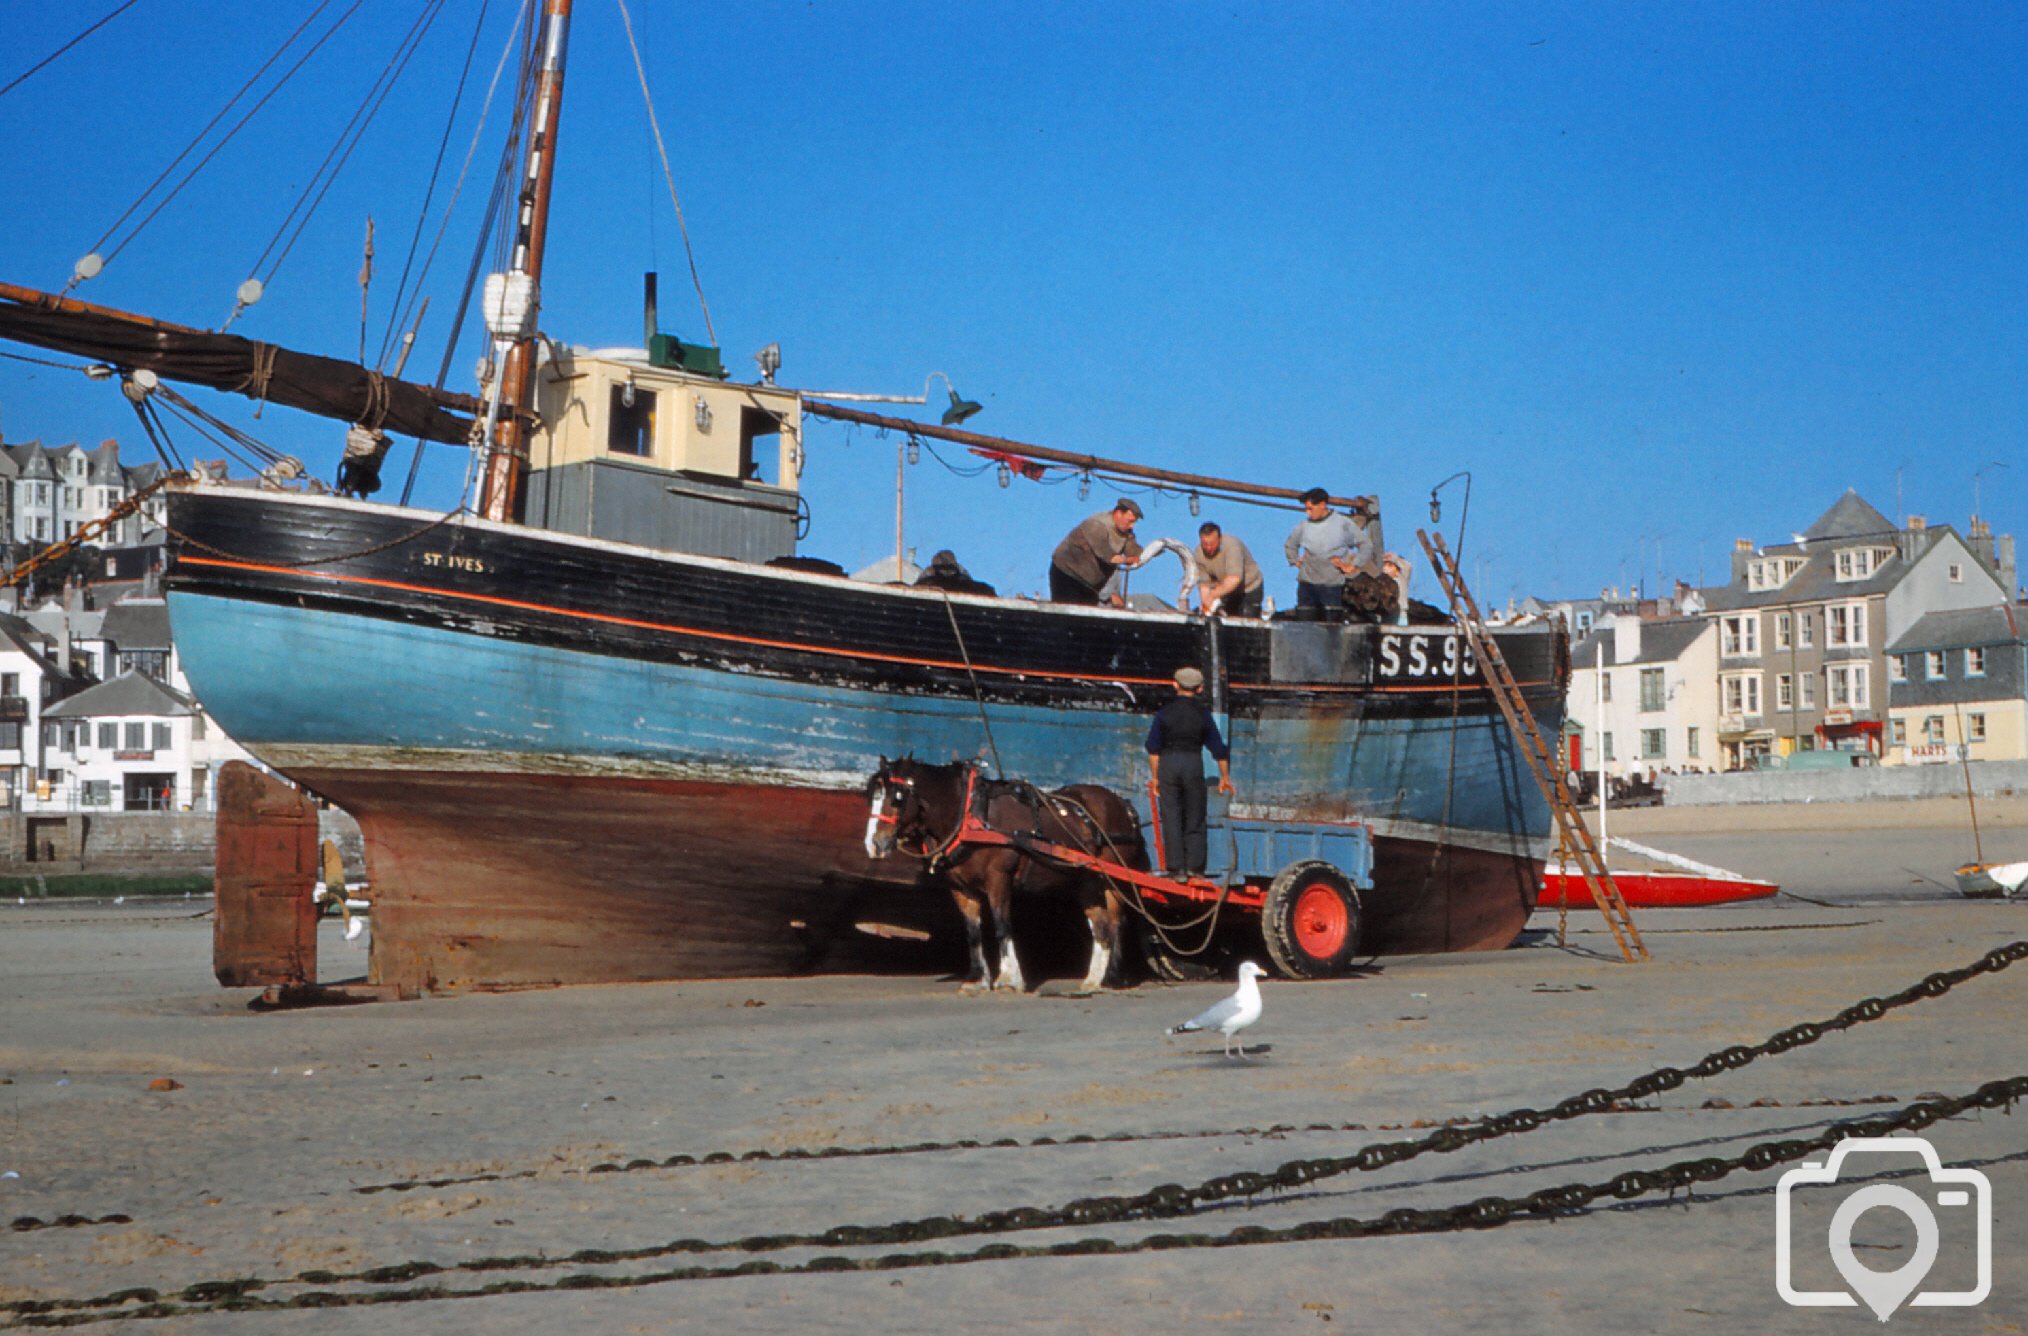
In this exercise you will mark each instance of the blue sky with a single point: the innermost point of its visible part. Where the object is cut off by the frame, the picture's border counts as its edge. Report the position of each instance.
(1658, 275)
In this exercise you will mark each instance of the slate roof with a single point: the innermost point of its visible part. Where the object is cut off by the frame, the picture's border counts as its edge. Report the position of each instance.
(1850, 521)
(1998, 625)
(127, 694)
(1661, 642)
(1850, 517)
(24, 636)
(137, 624)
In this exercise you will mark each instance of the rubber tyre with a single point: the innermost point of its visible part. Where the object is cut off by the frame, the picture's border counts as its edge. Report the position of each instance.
(1171, 967)
(1310, 923)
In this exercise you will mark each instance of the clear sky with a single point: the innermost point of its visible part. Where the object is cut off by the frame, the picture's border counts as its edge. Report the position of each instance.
(1658, 275)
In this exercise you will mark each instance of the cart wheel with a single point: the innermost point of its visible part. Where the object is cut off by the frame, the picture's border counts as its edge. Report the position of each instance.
(1310, 922)
(1165, 963)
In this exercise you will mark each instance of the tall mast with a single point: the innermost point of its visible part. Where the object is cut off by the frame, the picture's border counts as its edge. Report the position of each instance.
(507, 462)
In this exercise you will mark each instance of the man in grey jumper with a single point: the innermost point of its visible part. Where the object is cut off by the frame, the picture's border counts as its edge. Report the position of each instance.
(1325, 548)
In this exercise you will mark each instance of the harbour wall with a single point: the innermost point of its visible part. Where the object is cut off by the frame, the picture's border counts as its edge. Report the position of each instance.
(1899, 783)
(136, 844)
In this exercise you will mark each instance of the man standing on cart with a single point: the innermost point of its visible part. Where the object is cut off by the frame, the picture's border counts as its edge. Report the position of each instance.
(1181, 732)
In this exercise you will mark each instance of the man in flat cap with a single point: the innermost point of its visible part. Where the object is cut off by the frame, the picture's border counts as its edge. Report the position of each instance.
(1089, 555)
(1181, 732)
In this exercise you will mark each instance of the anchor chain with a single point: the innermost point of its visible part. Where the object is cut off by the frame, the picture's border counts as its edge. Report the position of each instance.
(1169, 1200)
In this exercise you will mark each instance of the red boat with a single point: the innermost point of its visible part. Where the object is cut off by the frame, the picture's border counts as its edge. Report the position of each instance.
(1655, 890)
(1678, 883)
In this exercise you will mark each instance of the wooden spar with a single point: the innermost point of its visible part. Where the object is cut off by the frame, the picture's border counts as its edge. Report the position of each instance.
(1087, 463)
(508, 462)
(329, 387)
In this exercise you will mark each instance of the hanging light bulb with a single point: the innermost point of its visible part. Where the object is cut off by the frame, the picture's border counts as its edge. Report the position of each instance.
(1196, 508)
(914, 450)
(1006, 474)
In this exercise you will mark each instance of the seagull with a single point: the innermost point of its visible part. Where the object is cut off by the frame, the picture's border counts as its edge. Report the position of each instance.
(1233, 1014)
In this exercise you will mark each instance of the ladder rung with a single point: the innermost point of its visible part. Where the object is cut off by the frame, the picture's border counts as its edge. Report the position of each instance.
(1543, 764)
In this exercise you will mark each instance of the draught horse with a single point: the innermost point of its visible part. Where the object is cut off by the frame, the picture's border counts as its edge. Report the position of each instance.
(921, 810)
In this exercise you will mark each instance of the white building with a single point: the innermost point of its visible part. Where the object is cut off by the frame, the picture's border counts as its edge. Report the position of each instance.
(135, 742)
(30, 680)
(47, 493)
(1644, 697)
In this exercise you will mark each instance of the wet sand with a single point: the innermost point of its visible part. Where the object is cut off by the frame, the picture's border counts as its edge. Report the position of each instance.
(534, 1126)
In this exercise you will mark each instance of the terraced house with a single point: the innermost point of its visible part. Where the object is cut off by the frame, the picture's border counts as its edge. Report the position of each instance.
(1804, 626)
(1959, 678)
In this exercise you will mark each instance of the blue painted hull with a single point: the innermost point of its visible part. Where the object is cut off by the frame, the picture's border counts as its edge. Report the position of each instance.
(660, 794)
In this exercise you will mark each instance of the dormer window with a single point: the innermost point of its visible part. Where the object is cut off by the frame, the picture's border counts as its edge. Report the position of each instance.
(1772, 573)
(1859, 563)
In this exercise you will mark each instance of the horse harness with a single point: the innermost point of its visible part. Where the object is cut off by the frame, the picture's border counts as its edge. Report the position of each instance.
(975, 826)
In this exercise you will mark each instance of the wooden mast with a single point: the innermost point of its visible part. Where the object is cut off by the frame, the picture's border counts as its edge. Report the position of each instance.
(507, 463)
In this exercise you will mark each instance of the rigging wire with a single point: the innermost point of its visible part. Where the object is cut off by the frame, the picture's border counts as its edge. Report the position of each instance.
(157, 434)
(24, 76)
(341, 151)
(259, 457)
(504, 176)
(398, 314)
(241, 124)
(655, 125)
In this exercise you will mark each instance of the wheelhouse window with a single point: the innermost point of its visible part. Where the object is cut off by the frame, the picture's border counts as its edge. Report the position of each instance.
(630, 421)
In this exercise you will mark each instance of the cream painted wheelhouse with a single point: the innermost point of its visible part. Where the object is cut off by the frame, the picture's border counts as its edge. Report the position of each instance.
(636, 446)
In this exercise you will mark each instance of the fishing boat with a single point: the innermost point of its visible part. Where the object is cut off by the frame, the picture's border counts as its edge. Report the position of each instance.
(608, 724)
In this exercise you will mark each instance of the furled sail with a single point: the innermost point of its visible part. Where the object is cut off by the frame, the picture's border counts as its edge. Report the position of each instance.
(327, 386)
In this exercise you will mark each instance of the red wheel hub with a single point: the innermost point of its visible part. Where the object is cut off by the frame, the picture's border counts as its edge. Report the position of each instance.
(1321, 923)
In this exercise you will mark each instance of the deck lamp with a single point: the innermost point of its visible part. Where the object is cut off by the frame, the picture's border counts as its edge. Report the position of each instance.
(960, 409)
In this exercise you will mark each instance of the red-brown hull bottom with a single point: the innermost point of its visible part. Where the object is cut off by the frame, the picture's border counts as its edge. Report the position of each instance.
(479, 880)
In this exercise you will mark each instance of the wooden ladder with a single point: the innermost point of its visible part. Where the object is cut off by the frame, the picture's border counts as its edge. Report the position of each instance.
(1546, 764)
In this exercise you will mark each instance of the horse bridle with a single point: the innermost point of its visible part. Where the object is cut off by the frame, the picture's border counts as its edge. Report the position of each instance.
(907, 806)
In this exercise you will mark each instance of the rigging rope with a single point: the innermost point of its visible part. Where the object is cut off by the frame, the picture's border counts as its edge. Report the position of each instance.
(24, 76)
(398, 315)
(240, 125)
(341, 151)
(502, 177)
(641, 72)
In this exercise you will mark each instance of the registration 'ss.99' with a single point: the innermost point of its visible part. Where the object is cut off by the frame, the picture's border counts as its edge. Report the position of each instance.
(1425, 656)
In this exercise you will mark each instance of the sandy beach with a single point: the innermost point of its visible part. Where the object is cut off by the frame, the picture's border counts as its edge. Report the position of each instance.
(170, 1152)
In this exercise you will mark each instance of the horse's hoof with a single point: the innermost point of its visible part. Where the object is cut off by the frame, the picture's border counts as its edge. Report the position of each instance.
(972, 988)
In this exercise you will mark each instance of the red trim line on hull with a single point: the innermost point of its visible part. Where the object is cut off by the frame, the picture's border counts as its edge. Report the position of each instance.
(952, 665)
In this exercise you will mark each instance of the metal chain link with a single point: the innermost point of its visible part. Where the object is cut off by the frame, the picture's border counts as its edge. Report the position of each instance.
(1168, 1200)
(1482, 1213)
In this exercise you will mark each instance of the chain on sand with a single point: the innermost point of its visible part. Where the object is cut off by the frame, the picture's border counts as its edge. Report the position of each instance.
(1165, 1202)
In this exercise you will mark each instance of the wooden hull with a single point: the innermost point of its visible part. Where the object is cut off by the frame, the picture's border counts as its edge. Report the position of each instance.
(575, 761)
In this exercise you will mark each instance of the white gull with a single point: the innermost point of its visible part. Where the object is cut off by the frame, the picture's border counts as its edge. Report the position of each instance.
(1234, 1013)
